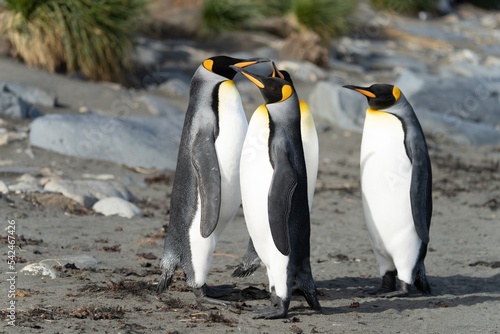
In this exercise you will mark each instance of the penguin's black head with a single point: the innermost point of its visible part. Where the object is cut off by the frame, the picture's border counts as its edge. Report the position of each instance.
(272, 89)
(221, 65)
(280, 74)
(380, 96)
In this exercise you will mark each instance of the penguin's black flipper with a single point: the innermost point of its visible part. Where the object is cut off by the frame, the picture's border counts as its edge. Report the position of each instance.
(279, 200)
(204, 158)
(421, 186)
(249, 263)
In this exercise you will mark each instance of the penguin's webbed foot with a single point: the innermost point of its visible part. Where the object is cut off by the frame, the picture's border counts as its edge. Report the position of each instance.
(270, 312)
(212, 294)
(390, 293)
(401, 292)
(388, 285)
(220, 291)
(277, 310)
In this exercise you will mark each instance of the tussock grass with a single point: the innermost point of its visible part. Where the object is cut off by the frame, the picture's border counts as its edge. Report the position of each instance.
(327, 18)
(93, 37)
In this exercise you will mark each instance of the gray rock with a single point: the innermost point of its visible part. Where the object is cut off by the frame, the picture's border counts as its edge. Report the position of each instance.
(410, 83)
(80, 261)
(15, 107)
(116, 206)
(88, 192)
(159, 106)
(32, 94)
(337, 105)
(456, 129)
(26, 183)
(4, 189)
(145, 55)
(139, 141)
(175, 87)
(390, 63)
(302, 71)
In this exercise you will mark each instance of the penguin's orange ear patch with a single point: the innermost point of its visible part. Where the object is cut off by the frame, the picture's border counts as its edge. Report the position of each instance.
(286, 92)
(396, 93)
(208, 64)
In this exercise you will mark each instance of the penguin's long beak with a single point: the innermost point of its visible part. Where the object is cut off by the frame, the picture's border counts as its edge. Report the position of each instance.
(276, 72)
(254, 79)
(251, 61)
(362, 90)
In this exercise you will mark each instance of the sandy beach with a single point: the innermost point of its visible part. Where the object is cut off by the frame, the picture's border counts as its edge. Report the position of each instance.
(106, 267)
(116, 295)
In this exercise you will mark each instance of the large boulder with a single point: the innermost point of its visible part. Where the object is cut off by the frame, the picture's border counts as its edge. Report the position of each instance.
(138, 141)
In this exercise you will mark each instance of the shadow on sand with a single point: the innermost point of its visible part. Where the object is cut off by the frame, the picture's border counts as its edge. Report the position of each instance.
(451, 291)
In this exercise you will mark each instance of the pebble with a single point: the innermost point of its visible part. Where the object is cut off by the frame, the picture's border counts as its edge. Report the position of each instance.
(39, 269)
(81, 261)
(88, 192)
(112, 206)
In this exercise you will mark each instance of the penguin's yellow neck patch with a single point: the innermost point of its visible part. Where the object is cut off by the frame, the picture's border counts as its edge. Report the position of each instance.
(374, 112)
(304, 108)
(396, 93)
(208, 64)
(261, 116)
(286, 92)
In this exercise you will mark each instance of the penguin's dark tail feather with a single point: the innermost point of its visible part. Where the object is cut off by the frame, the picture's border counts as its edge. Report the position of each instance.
(169, 263)
(421, 282)
(249, 263)
(164, 281)
(244, 269)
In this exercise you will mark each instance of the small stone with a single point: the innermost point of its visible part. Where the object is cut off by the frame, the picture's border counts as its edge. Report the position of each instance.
(39, 269)
(82, 261)
(159, 106)
(3, 188)
(88, 192)
(112, 206)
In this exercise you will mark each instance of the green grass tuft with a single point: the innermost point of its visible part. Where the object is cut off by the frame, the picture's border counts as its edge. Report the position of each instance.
(327, 18)
(226, 15)
(93, 37)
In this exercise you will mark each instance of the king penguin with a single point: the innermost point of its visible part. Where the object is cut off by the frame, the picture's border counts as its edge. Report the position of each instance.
(274, 195)
(396, 183)
(206, 190)
(250, 261)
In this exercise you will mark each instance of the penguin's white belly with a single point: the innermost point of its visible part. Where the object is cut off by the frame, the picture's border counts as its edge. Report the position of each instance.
(233, 126)
(310, 144)
(385, 181)
(256, 175)
(232, 129)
